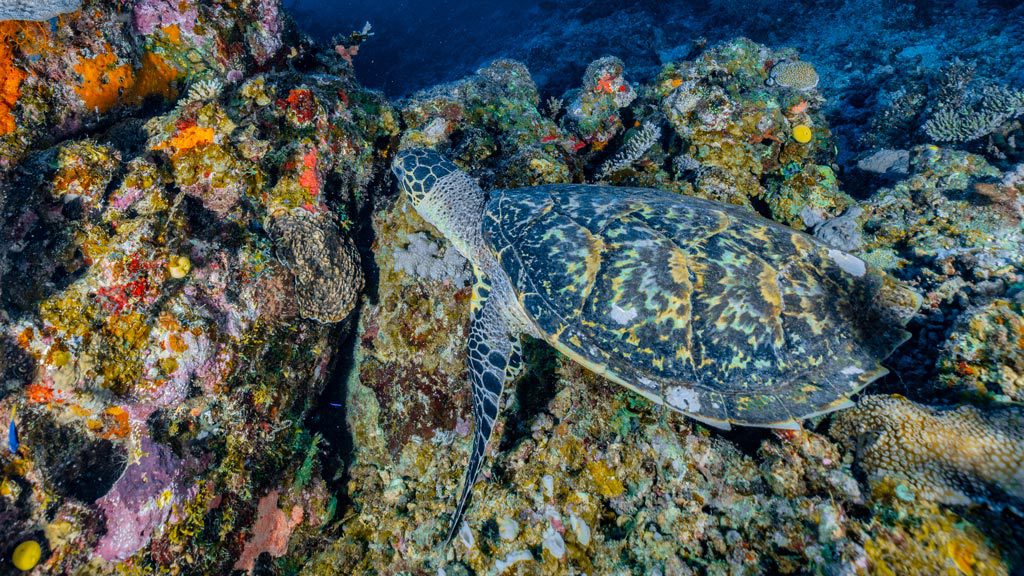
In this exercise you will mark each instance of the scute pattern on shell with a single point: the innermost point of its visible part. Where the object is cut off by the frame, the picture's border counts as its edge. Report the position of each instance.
(328, 278)
(715, 311)
(954, 456)
(795, 74)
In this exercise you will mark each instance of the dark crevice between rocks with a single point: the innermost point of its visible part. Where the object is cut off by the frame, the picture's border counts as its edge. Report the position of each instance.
(532, 394)
(329, 416)
(74, 464)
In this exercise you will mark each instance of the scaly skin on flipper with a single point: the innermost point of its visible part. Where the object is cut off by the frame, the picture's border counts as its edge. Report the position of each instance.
(494, 358)
(706, 308)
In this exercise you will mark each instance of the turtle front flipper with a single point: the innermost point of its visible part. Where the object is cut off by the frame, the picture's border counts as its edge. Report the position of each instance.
(494, 358)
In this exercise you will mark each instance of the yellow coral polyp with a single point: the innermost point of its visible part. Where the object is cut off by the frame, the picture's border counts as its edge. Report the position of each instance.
(27, 555)
(802, 133)
(179, 267)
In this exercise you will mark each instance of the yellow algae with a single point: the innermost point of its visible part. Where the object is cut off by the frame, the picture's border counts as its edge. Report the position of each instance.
(607, 484)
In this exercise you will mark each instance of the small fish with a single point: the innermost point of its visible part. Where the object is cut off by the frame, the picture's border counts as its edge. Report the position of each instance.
(12, 435)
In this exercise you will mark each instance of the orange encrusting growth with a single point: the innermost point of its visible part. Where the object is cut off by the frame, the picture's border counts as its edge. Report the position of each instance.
(14, 34)
(102, 80)
(187, 138)
(106, 84)
(155, 78)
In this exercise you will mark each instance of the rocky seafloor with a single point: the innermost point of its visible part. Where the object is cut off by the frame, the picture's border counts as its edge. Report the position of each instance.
(230, 345)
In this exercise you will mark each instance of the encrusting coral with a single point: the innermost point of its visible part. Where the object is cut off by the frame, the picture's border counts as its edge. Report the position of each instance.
(954, 456)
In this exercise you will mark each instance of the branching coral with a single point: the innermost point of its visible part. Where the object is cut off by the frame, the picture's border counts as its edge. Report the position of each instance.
(972, 121)
(635, 146)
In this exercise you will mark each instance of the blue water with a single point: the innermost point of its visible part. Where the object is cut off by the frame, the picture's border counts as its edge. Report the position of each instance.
(418, 44)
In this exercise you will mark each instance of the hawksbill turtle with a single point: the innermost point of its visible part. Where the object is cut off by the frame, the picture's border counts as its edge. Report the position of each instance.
(706, 308)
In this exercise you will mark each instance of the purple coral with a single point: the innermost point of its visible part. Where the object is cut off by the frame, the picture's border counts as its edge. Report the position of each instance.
(149, 15)
(139, 502)
(265, 36)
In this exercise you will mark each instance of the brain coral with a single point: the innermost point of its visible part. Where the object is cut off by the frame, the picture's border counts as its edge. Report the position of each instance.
(953, 456)
(793, 74)
(328, 278)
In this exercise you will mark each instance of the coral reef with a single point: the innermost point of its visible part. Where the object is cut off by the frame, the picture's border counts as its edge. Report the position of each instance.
(225, 344)
(984, 356)
(753, 144)
(593, 110)
(494, 115)
(115, 70)
(157, 278)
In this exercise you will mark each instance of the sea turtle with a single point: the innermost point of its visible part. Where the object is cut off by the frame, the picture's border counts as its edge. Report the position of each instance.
(706, 308)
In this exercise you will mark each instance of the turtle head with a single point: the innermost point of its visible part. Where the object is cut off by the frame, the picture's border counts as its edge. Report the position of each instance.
(443, 195)
(419, 169)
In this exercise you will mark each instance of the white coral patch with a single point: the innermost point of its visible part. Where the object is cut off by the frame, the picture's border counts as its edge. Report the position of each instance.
(511, 558)
(851, 371)
(849, 264)
(685, 399)
(621, 315)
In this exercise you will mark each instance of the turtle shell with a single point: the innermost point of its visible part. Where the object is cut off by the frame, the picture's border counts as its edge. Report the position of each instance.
(708, 308)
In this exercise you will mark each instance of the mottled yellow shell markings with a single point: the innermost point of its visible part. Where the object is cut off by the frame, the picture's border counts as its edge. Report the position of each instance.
(767, 282)
(679, 267)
